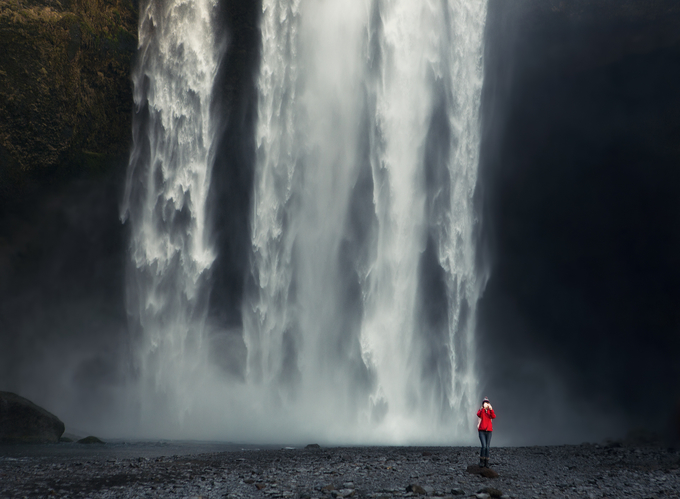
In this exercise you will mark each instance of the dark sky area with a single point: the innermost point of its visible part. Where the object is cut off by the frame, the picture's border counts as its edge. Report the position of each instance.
(578, 328)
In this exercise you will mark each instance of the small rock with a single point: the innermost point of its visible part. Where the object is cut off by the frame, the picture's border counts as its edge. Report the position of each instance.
(342, 493)
(491, 491)
(260, 486)
(312, 446)
(416, 489)
(485, 472)
(457, 492)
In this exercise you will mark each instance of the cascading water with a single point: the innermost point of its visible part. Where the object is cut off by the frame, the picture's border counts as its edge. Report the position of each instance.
(358, 314)
(165, 201)
(368, 144)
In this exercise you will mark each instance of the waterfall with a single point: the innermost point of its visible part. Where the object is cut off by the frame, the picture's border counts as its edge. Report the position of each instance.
(359, 305)
(362, 305)
(165, 201)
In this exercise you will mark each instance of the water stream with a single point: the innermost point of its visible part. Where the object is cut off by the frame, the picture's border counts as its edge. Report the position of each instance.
(165, 202)
(359, 312)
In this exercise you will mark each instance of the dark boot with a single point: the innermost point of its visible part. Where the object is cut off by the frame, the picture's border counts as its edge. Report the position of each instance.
(486, 462)
(481, 462)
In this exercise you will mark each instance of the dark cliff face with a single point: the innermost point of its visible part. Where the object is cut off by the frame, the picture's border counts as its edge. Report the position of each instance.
(579, 325)
(65, 116)
(65, 89)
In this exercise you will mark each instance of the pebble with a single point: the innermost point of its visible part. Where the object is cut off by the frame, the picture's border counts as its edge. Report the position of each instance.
(359, 472)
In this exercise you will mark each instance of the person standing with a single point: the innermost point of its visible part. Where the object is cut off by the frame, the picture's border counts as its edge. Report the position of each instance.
(485, 427)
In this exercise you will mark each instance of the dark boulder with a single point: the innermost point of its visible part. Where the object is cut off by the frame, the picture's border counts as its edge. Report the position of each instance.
(21, 421)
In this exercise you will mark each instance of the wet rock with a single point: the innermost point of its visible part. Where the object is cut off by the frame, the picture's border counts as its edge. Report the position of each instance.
(22, 421)
(416, 489)
(528, 472)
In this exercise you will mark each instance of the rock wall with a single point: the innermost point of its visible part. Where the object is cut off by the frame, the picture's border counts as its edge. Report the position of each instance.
(65, 89)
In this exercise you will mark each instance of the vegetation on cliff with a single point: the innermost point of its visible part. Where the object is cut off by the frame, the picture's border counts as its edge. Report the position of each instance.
(65, 89)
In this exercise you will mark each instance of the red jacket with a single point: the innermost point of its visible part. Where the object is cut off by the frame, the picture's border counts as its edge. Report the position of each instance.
(487, 415)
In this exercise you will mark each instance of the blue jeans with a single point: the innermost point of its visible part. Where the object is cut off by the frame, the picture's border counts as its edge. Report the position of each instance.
(485, 438)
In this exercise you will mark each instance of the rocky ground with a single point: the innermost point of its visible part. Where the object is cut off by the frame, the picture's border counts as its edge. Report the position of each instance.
(377, 472)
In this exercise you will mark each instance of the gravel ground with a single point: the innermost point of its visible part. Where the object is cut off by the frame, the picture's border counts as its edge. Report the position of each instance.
(375, 472)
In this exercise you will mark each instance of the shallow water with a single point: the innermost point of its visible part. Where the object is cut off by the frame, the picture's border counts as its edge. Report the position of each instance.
(122, 449)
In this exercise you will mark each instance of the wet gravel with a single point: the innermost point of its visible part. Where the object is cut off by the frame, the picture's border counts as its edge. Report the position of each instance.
(374, 472)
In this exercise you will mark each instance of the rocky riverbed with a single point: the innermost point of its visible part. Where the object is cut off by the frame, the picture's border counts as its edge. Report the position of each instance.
(374, 472)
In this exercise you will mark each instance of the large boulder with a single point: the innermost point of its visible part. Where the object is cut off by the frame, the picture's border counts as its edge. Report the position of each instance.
(21, 421)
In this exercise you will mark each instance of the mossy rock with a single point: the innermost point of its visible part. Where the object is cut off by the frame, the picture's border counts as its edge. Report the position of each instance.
(65, 87)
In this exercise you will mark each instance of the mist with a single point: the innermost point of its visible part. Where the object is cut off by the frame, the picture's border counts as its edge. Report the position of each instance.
(568, 319)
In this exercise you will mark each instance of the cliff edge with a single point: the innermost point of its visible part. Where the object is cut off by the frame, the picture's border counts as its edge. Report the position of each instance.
(65, 89)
